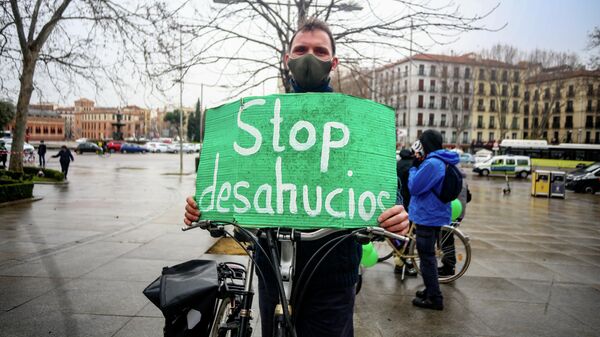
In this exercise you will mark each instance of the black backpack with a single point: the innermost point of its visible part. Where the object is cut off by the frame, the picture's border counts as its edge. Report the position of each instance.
(452, 184)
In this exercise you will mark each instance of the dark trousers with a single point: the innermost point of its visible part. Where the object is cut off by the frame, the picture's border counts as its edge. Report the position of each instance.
(42, 159)
(426, 239)
(323, 313)
(64, 167)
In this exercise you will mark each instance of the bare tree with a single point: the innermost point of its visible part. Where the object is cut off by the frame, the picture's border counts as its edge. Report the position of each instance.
(247, 39)
(65, 42)
(594, 46)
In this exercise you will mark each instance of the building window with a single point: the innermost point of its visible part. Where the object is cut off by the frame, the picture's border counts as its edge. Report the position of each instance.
(504, 90)
(432, 71)
(492, 105)
(516, 76)
(481, 74)
(493, 91)
(480, 122)
(466, 104)
(505, 76)
(444, 102)
(465, 139)
(467, 73)
(431, 120)
(492, 122)
(515, 108)
(421, 84)
(479, 137)
(420, 102)
(493, 75)
(515, 90)
(589, 106)
(456, 87)
(444, 71)
(569, 122)
(571, 92)
(480, 105)
(467, 88)
(481, 90)
(453, 140)
(421, 70)
(556, 122)
(503, 106)
(491, 137)
(431, 102)
(443, 136)
(455, 103)
(589, 122)
(514, 135)
(420, 119)
(432, 86)
(443, 121)
(569, 106)
(456, 71)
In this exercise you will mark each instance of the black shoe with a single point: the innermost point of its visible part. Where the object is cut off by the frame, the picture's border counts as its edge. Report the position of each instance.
(421, 294)
(427, 304)
(445, 272)
(409, 271)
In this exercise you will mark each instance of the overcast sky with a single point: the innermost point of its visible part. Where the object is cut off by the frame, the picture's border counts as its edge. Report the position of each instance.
(530, 24)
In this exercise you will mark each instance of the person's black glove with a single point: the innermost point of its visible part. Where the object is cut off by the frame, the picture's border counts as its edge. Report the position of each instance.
(416, 162)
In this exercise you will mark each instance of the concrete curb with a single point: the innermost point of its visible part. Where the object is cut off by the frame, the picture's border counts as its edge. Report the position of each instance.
(21, 201)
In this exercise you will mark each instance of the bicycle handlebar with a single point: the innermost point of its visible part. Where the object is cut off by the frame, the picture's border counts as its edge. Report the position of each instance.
(370, 231)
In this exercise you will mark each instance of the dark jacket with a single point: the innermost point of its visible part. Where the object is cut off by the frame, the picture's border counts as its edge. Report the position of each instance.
(65, 156)
(402, 168)
(425, 184)
(41, 149)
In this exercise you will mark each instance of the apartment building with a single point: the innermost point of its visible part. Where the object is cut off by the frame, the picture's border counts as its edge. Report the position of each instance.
(101, 122)
(562, 105)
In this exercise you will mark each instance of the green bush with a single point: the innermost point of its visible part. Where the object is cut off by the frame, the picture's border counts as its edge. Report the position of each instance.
(18, 176)
(11, 192)
(48, 173)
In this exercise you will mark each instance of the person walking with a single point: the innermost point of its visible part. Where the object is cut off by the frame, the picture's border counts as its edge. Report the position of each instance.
(428, 212)
(3, 154)
(65, 159)
(42, 154)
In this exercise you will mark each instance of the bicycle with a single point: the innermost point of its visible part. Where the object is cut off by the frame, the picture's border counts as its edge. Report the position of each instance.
(233, 312)
(453, 247)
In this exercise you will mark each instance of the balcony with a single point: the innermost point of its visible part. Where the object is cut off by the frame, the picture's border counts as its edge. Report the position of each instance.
(431, 106)
(443, 124)
(481, 108)
(432, 89)
(432, 124)
(515, 126)
(480, 125)
(492, 126)
(443, 107)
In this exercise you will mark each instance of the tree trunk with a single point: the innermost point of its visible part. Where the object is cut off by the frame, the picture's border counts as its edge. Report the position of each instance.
(25, 91)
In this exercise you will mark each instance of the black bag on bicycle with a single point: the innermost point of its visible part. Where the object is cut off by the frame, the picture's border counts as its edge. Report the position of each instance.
(186, 294)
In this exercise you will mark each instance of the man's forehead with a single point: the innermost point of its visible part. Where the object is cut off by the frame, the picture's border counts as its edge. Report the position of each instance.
(312, 37)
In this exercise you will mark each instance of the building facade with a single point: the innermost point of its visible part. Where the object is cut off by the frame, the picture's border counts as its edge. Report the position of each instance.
(42, 124)
(476, 102)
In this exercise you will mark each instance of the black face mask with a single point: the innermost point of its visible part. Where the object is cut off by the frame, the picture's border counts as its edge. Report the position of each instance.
(309, 72)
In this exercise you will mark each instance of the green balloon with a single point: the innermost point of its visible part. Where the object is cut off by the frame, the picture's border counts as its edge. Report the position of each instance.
(369, 255)
(456, 209)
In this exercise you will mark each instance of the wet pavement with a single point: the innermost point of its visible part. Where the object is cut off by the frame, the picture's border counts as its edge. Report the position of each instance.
(75, 263)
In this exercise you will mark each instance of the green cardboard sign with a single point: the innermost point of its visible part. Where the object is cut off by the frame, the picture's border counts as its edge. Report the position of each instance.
(302, 161)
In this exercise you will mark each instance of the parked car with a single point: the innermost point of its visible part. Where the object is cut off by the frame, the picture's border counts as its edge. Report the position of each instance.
(586, 179)
(520, 166)
(88, 147)
(157, 147)
(172, 148)
(114, 146)
(26, 146)
(467, 158)
(132, 148)
(81, 140)
(187, 147)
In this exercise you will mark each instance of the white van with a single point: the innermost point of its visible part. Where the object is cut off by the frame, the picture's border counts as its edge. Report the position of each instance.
(520, 166)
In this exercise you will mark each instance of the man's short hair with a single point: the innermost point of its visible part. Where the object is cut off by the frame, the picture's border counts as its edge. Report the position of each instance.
(312, 24)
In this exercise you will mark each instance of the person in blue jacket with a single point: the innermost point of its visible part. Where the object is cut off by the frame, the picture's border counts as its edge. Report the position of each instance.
(428, 212)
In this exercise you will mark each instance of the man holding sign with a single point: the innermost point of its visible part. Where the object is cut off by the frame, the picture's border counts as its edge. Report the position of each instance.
(329, 302)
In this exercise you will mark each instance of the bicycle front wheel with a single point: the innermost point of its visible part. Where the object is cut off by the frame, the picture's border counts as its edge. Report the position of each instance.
(452, 252)
(384, 250)
(226, 322)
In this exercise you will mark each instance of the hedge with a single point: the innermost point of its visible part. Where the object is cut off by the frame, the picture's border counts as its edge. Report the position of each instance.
(19, 176)
(11, 192)
(48, 173)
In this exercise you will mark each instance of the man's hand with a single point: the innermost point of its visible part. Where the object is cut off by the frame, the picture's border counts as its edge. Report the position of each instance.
(394, 219)
(192, 213)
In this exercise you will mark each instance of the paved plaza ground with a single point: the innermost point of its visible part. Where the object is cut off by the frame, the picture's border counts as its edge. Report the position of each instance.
(75, 263)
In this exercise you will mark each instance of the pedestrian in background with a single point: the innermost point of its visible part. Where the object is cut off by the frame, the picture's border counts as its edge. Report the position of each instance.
(3, 154)
(428, 212)
(42, 154)
(65, 159)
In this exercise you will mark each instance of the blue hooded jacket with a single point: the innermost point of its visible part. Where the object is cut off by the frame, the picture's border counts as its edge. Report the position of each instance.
(425, 207)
